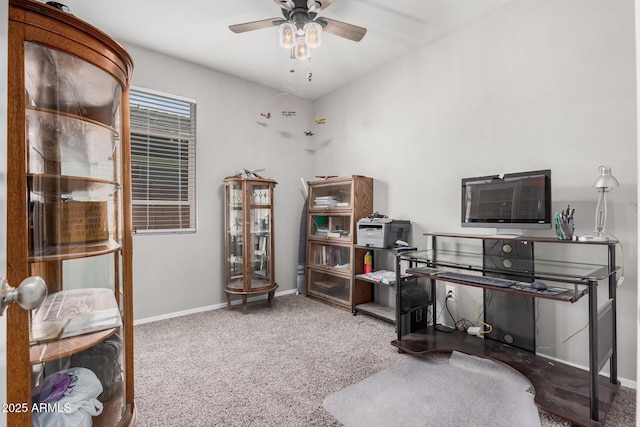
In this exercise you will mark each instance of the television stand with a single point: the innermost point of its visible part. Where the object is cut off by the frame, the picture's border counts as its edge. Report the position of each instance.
(581, 397)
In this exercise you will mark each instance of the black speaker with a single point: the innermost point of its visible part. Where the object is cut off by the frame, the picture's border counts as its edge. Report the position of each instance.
(512, 317)
(508, 256)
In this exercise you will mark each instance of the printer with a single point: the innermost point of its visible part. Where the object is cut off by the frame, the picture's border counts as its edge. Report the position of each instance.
(382, 232)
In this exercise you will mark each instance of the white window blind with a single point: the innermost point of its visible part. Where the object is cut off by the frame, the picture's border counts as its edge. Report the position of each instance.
(163, 162)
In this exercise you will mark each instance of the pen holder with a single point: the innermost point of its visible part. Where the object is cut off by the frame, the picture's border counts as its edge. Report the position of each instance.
(564, 230)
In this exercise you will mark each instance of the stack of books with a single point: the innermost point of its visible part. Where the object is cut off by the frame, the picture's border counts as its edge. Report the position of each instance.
(325, 201)
(328, 201)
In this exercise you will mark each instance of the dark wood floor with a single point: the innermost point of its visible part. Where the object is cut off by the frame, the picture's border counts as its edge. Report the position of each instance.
(560, 389)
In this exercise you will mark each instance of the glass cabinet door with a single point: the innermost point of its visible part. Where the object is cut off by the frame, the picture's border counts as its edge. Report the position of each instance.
(233, 230)
(334, 257)
(260, 223)
(331, 225)
(334, 196)
(73, 116)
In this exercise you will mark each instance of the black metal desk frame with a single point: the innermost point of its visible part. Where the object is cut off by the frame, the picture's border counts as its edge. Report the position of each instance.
(602, 320)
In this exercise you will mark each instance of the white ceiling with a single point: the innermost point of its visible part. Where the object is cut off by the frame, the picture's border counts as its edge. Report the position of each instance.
(197, 31)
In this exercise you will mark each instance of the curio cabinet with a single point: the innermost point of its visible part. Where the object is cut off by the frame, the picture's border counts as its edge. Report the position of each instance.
(68, 220)
(249, 261)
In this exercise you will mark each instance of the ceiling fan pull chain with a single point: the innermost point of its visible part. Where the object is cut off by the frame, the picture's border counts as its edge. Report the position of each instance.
(309, 73)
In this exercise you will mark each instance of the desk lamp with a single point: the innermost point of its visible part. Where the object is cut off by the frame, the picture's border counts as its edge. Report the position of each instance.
(603, 183)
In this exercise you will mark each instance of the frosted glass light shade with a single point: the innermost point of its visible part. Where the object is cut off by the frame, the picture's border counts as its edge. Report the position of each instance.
(312, 32)
(287, 33)
(301, 50)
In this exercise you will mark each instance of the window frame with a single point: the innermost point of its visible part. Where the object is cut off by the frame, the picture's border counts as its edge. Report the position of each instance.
(191, 181)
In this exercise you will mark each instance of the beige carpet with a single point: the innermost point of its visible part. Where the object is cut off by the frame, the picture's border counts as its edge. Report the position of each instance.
(269, 367)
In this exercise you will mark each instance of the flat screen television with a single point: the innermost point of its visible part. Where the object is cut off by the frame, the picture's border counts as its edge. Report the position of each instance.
(515, 201)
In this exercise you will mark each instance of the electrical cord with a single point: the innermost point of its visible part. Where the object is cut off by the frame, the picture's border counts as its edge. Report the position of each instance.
(567, 339)
(444, 328)
(446, 305)
(477, 316)
(462, 326)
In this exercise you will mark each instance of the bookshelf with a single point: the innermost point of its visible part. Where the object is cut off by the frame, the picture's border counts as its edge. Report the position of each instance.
(334, 207)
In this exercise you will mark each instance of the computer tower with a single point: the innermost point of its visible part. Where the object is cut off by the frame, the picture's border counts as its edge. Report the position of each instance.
(511, 316)
(414, 308)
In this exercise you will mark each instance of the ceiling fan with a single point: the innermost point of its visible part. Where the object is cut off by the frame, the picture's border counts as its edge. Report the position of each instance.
(301, 27)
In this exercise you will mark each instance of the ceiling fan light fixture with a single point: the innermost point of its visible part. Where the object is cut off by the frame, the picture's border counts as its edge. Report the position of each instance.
(287, 35)
(301, 50)
(287, 4)
(312, 5)
(312, 34)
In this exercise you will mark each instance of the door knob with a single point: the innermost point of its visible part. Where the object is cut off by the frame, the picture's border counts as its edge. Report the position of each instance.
(29, 295)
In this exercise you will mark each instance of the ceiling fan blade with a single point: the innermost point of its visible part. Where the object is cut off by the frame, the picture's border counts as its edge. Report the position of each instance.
(256, 25)
(342, 29)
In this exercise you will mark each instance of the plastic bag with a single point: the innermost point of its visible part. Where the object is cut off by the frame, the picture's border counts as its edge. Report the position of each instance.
(67, 399)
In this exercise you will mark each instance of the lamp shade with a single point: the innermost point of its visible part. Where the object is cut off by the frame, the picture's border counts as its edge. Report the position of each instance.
(287, 33)
(606, 180)
(301, 50)
(312, 32)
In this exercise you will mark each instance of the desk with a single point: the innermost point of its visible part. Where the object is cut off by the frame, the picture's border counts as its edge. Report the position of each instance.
(581, 397)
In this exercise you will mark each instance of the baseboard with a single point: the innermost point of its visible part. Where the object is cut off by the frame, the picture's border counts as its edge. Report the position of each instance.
(623, 381)
(206, 308)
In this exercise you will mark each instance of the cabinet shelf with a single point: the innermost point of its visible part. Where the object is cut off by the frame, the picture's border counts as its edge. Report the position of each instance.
(237, 289)
(377, 310)
(89, 316)
(346, 240)
(331, 270)
(75, 117)
(75, 251)
(381, 278)
(57, 184)
(330, 209)
(50, 351)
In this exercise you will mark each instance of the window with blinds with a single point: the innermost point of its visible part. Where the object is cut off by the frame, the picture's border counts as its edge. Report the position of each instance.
(163, 162)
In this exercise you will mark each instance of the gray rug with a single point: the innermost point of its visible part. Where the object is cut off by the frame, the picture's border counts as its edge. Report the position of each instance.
(422, 392)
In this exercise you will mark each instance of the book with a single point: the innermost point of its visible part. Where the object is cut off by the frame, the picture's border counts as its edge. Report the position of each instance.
(75, 312)
(47, 331)
(94, 321)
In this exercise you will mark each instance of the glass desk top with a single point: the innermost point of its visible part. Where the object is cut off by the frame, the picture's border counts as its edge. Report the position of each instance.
(560, 271)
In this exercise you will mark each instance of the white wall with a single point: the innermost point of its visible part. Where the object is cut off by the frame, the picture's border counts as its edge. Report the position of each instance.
(175, 273)
(531, 85)
(534, 84)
